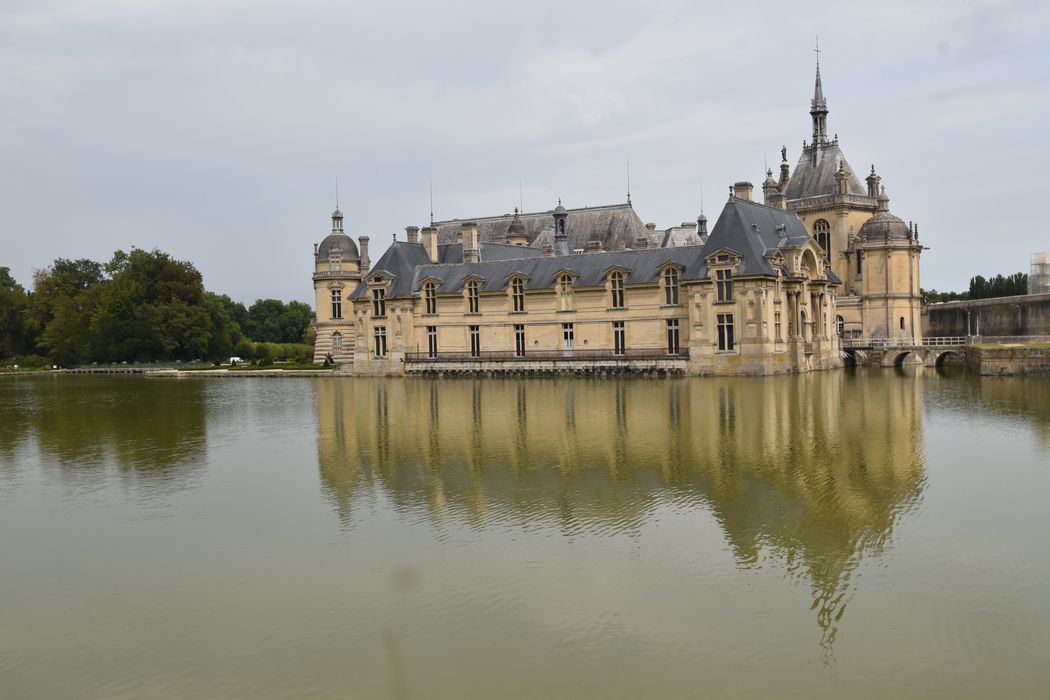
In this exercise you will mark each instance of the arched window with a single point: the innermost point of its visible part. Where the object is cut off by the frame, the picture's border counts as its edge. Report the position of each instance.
(616, 289)
(430, 297)
(337, 340)
(902, 323)
(671, 286)
(822, 232)
(472, 297)
(517, 294)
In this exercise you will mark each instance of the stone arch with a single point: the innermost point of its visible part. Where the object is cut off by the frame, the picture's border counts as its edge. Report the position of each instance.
(901, 358)
(809, 260)
(943, 356)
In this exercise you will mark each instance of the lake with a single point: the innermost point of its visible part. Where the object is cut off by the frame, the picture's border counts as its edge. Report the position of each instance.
(855, 533)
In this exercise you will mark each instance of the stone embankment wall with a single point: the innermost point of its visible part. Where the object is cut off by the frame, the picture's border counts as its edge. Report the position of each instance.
(1027, 315)
(1009, 360)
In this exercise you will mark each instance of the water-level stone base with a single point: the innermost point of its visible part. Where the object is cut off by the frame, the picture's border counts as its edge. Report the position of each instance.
(553, 367)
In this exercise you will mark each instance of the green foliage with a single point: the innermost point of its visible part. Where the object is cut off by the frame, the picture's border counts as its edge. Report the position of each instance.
(141, 306)
(981, 288)
(273, 321)
(998, 286)
(15, 323)
(263, 355)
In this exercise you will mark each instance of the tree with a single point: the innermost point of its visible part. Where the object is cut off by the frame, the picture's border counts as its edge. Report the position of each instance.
(271, 321)
(16, 337)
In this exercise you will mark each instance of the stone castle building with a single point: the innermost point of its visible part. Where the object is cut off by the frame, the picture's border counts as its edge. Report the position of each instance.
(771, 288)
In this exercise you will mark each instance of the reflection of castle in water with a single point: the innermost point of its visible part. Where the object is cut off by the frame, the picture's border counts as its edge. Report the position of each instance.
(812, 470)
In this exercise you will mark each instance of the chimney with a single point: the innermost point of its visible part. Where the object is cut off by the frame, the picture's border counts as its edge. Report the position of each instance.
(642, 242)
(548, 250)
(776, 200)
(412, 234)
(366, 264)
(743, 190)
(430, 243)
(594, 246)
(468, 233)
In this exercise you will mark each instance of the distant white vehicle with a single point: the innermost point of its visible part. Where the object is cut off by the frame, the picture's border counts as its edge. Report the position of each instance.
(235, 360)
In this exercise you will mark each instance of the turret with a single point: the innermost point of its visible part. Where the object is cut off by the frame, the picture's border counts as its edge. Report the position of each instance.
(561, 236)
(873, 183)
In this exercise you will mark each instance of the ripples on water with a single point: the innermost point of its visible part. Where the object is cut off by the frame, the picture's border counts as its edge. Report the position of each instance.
(859, 533)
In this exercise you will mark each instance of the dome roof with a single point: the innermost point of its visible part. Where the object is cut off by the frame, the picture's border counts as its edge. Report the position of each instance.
(560, 210)
(884, 226)
(338, 242)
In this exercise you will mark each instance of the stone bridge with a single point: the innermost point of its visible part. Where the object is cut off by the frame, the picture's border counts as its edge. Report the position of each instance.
(904, 352)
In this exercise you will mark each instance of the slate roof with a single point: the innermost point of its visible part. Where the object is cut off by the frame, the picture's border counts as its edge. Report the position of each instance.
(590, 269)
(748, 228)
(815, 173)
(614, 225)
(338, 241)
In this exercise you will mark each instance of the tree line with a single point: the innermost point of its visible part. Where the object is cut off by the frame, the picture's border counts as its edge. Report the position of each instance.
(981, 288)
(140, 306)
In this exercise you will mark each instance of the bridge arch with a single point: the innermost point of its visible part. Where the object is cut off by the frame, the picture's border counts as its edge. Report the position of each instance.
(943, 356)
(901, 358)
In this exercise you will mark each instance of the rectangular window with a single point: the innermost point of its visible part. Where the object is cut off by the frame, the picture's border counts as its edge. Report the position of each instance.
(430, 297)
(725, 332)
(335, 264)
(567, 336)
(671, 286)
(519, 340)
(776, 325)
(472, 297)
(517, 290)
(475, 341)
(337, 303)
(616, 289)
(379, 303)
(672, 336)
(724, 285)
(379, 336)
(619, 338)
(432, 341)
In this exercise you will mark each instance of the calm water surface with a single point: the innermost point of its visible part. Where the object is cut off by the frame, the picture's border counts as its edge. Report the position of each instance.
(866, 535)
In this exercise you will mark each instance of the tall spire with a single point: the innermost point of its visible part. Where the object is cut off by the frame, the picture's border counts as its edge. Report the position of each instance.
(819, 107)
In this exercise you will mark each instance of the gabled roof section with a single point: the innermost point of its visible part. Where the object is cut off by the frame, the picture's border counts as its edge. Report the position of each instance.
(753, 231)
(614, 225)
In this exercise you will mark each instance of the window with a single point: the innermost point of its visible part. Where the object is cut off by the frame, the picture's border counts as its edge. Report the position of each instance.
(379, 338)
(776, 325)
(337, 340)
(432, 341)
(519, 340)
(337, 303)
(619, 339)
(840, 326)
(472, 297)
(858, 262)
(567, 336)
(724, 285)
(671, 286)
(379, 303)
(565, 291)
(616, 289)
(335, 264)
(725, 332)
(475, 341)
(902, 323)
(822, 232)
(430, 298)
(517, 294)
(672, 336)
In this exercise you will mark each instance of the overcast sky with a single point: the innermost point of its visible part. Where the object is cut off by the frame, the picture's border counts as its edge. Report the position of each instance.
(214, 130)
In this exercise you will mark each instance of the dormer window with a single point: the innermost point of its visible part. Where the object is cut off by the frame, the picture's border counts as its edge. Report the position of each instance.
(430, 297)
(517, 294)
(335, 263)
(565, 291)
(616, 290)
(472, 296)
(724, 285)
(671, 286)
(379, 303)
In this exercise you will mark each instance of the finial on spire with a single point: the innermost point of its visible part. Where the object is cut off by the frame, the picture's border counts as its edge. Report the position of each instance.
(337, 190)
(431, 201)
(819, 106)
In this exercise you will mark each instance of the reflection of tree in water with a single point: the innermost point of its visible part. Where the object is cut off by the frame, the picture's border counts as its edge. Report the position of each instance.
(151, 429)
(810, 472)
